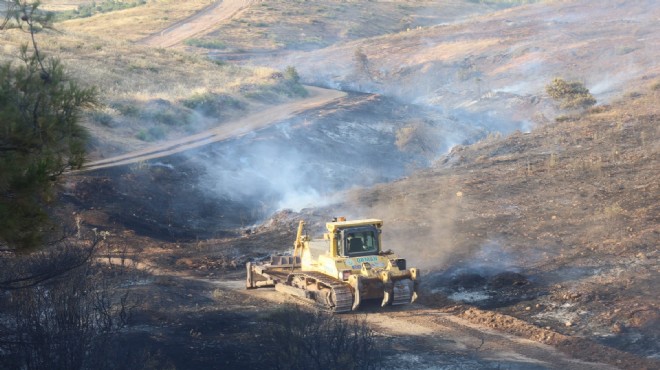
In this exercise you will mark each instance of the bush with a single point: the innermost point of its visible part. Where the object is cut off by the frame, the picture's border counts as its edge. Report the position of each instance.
(297, 339)
(210, 104)
(291, 74)
(206, 44)
(154, 133)
(570, 94)
(103, 118)
(290, 84)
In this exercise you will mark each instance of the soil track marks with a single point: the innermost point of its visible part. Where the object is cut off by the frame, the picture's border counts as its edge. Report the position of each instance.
(200, 23)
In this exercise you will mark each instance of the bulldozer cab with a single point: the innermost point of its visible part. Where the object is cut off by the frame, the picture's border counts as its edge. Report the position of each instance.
(358, 241)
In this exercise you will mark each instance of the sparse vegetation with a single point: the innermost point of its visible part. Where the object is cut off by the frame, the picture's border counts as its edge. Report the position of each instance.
(298, 340)
(318, 23)
(206, 44)
(88, 10)
(211, 104)
(63, 308)
(102, 118)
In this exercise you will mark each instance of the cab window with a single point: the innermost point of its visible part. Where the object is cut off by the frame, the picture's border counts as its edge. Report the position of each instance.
(360, 242)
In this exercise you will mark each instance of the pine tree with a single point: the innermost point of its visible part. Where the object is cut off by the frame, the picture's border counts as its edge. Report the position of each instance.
(40, 137)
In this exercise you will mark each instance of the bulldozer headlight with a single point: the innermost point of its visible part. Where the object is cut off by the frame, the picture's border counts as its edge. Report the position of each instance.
(345, 274)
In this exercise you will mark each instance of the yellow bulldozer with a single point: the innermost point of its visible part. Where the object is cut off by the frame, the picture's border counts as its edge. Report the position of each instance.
(341, 270)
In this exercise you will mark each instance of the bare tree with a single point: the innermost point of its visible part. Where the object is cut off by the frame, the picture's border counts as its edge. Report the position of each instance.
(61, 307)
(299, 339)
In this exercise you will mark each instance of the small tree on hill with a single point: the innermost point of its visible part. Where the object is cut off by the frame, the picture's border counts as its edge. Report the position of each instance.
(40, 107)
(570, 94)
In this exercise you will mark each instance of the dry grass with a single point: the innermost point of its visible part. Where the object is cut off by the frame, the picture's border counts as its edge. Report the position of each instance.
(123, 70)
(62, 5)
(135, 23)
(286, 24)
(131, 76)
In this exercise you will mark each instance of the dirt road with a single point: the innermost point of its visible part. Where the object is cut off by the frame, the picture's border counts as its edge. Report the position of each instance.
(252, 122)
(198, 24)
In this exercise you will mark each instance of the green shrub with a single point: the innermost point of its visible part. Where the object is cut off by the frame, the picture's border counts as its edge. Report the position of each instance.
(103, 118)
(206, 44)
(152, 134)
(210, 104)
(570, 94)
(290, 73)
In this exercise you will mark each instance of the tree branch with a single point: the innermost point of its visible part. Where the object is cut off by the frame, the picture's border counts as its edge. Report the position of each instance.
(38, 278)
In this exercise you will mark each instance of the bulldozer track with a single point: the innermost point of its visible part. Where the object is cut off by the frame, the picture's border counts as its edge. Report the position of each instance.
(341, 292)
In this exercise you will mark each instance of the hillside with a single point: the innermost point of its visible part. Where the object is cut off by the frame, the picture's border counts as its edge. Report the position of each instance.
(491, 69)
(566, 217)
(150, 94)
(549, 235)
(535, 228)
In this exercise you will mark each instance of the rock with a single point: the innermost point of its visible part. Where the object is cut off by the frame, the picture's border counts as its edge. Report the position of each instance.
(568, 323)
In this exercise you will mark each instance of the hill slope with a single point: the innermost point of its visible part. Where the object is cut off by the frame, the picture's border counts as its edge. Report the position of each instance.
(559, 227)
(492, 68)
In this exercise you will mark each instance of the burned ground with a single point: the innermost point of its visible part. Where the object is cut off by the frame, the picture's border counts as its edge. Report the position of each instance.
(549, 235)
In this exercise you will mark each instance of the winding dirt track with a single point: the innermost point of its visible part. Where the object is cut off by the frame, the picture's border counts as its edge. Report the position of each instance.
(201, 23)
(252, 122)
